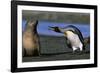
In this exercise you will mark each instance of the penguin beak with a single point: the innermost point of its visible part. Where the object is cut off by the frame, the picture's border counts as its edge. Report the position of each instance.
(51, 28)
(56, 29)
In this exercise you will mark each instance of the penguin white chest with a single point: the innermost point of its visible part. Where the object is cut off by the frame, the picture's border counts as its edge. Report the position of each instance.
(73, 38)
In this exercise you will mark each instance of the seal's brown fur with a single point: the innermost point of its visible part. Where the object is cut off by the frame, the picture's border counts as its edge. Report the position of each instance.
(30, 39)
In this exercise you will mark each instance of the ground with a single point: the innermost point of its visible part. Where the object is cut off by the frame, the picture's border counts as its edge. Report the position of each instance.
(64, 56)
(55, 48)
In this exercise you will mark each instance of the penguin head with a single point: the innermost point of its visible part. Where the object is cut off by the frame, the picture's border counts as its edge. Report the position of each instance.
(56, 29)
(61, 30)
(69, 30)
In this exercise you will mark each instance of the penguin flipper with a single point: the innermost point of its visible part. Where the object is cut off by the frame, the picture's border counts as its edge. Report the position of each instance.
(68, 43)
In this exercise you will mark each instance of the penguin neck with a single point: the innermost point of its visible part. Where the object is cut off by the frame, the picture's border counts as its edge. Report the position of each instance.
(69, 33)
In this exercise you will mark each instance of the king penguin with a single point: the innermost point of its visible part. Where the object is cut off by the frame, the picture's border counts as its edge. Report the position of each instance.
(73, 35)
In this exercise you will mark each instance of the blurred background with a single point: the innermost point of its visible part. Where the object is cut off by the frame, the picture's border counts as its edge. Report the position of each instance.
(60, 19)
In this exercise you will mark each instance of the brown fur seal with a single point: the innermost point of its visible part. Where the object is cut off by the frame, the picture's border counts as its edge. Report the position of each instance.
(31, 39)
